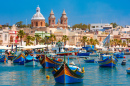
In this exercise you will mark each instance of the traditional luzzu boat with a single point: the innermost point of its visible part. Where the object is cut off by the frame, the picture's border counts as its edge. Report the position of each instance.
(89, 49)
(89, 60)
(119, 54)
(3, 58)
(67, 53)
(68, 74)
(47, 62)
(30, 61)
(107, 61)
(19, 58)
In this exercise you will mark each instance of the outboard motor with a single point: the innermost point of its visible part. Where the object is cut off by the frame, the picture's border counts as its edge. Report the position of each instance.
(123, 62)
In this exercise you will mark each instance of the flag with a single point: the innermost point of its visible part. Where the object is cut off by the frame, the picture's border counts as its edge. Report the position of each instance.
(106, 40)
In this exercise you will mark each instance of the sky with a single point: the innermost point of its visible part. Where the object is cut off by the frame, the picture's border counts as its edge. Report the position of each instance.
(78, 11)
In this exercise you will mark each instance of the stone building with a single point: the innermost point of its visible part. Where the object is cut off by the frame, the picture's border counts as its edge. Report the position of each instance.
(62, 22)
(74, 36)
(38, 19)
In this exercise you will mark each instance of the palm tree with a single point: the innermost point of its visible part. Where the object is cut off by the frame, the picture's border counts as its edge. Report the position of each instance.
(47, 39)
(52, 38)
(97, 42)
(111, 42)
(128, 41)
(29, 40)
(38, 37)
(42, 41)
(88, 41)
(115, 42)
(119, 42)
(124, 43)
(91, 41)
(65, 38)
(83, 40)
(21, 35)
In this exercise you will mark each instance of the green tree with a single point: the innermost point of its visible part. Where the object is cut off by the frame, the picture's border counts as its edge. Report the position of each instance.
(128, 41)
(38, 37)
(65, 39)
(21, 35)
(47, 39)
(52, 38)
(83, 40)
(19, 24)
(91, 41)
(46, 24)
(82, 26)
(29, 40)
(42, 41)
(114, 25)
(124, 43)
(97, 42)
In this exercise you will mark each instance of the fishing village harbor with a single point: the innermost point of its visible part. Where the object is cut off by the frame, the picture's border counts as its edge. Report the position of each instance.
(60, 47)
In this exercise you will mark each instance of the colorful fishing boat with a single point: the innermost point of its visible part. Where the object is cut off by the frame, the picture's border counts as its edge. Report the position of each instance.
(10, 57)
(107, 61)
(67, 53)
(3, 58)
(119, 54)
(30, 61)
(19, 58)
(89, 60)
(68, 74)
(47, 62)
(128, 70)
(88, 50)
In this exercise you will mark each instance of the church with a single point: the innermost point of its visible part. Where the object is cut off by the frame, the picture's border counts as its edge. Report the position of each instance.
(38, 20)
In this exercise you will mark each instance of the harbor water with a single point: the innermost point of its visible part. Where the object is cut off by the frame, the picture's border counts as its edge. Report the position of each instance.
(19, 75)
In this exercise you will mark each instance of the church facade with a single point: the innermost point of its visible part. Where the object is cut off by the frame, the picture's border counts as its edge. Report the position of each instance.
(62, 22)
(38, 20)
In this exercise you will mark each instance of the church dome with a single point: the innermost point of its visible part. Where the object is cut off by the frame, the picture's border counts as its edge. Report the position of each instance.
(38, 15)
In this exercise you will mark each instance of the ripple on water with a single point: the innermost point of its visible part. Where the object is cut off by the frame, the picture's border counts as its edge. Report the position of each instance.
(14, 74)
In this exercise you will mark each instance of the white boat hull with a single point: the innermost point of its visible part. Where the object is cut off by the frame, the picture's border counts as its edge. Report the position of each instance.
(31, 63)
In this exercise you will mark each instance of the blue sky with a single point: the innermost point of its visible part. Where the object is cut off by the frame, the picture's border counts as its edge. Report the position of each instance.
(78, 11)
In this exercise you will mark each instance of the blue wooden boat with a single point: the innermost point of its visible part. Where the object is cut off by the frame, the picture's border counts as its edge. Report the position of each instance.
(30, 61)
(19, 58)
(46, 62)
(68, 74)
(89, 49)
(119, 54)
(89, 60)
(107, 61)
(10, 57)
(3, 58)
(128, 70)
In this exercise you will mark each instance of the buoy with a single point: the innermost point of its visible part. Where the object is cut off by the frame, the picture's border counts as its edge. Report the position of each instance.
(124, 57)
(5, 60)
(48, 77)
(83, 69)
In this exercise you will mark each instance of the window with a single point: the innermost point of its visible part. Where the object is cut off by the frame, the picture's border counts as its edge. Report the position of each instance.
(52, 21)
(36, 23)
(65, 21)
(61, 21)
(96, 26)
(93, 26)
(50, 31)
(49, 21)
(41, 23)
(11, 38)
(0, 36)
(32, 24)
(5, 37)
